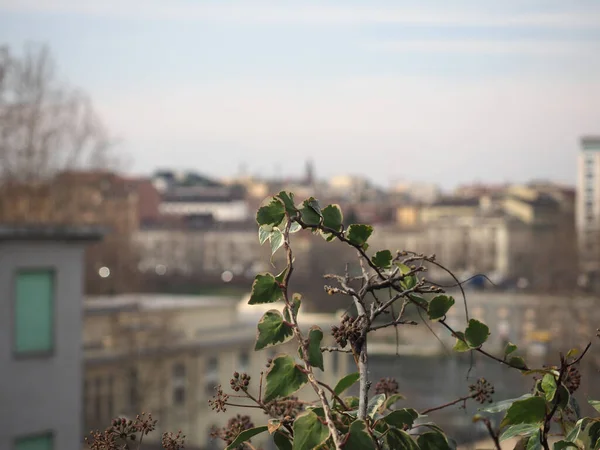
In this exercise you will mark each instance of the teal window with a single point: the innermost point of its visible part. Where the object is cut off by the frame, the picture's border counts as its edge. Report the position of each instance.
(40, 442)
(34, 312)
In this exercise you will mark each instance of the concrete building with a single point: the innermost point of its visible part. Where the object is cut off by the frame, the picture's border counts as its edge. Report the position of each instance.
(166, 354)
(41, 276)
(588, 205)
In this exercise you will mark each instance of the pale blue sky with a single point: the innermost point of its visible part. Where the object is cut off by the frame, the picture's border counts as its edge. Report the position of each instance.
(425, 90)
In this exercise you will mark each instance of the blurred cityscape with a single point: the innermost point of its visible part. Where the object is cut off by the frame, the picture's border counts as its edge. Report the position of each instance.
(126, 293)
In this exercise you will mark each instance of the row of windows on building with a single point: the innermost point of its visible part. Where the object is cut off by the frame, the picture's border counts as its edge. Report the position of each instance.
(100, 392)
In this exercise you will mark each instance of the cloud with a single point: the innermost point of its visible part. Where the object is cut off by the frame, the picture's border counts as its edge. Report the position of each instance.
(304, 13)
(523, 47)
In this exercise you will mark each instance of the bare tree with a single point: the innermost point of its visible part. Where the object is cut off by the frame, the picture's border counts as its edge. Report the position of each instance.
(45, 126)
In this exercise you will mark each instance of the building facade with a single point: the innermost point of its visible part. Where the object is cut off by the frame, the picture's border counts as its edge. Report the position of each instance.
(165, 354)
(588, 204)
(41, 276)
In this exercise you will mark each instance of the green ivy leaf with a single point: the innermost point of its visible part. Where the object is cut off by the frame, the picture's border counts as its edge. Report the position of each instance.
(295, 227)
(288, 201)
(358, 234)
(311, 212)
(284, 377)
(524, 429)
(265, 289)
(309, 431)
(510, 348)
(272, 213)
(432, 440)
(439, 306)
(595, 404)
(392, 400)
(503, 405)
(315, 355)
(332, 217)
(549, 386)
(383, 259)
(296, 302)
(407, 282)
(531, 410)
(460, 345)
(272, 330)
(400, 440)
(346, 382)
(263, 233)
(401, 417)
(518, 362)
(245, 436)
(358, 438)
(476, 333)
(276, 240)
(374, 404)
(282, 441)
(533, 443)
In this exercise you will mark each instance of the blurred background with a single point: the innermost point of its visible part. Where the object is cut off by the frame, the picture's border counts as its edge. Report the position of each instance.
(137, 140)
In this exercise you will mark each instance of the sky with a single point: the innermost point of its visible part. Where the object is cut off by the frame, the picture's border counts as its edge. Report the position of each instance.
(429, 90)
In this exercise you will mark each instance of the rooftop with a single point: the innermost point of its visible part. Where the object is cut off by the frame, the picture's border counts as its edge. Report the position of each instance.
(15, 232)
(149, 302)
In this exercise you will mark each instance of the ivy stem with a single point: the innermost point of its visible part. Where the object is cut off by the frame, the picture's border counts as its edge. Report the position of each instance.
(303, 342)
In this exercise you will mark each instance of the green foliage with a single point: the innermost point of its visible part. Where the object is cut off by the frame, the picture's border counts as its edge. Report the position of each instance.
(309, 431)
(315, 356)
(288, 201)
(272, 214)
(311, 212)
(374, 404)
(439, 307)
(476, 333)
(282, 441)
(346, 383)
(549, 386)
(265, 289)
(359, 234)
(272, 330)
(358, 437)
(531, 410)
(245, 436)
(524, 429)
(433, 440)
(283, 378)
(402, 418)
(375, 422)
(510, 348)
(383, 259)
(333, 217)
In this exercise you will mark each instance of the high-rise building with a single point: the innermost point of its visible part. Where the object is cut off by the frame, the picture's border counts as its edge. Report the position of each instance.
(588, 204)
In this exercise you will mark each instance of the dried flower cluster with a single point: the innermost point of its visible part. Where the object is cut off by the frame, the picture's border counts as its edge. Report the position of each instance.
(234, 426)
(284, 408)
(387, 386)
(172, 441)
(120, 431)
(349, 330)
(572, 379)
(482, 391)
(219, 401)
(239, 381)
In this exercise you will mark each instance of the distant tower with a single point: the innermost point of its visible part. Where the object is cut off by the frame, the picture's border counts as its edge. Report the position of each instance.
(309, 176)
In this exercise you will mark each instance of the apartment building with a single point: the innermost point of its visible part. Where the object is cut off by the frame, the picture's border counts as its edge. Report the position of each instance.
(41, 277)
